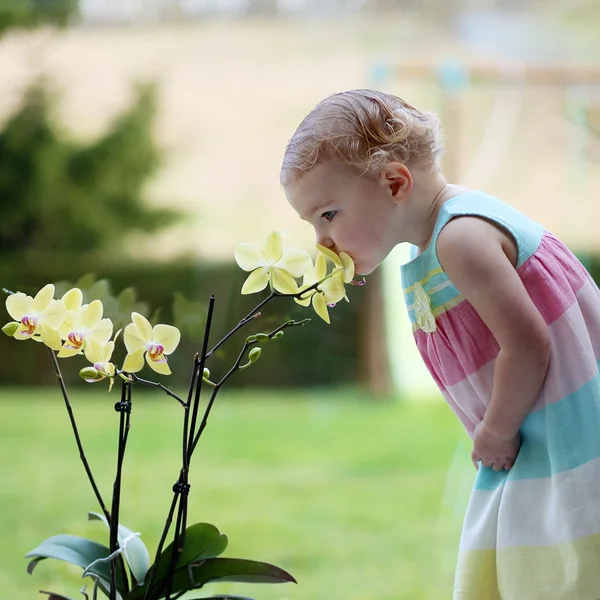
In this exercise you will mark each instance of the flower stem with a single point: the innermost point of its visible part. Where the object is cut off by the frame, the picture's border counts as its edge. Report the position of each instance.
(247, 319)
(157, 385)
(124, 409)
(82, 455)
(202, 362)
(161, 544)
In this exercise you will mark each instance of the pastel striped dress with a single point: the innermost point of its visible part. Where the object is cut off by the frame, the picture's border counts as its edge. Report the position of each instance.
(532, 533)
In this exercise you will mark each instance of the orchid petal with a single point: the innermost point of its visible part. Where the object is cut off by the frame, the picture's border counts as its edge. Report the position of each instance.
(93, 352)
(71, 322)
(73, 299)
(19, 305)
(23, 333)
(256, 281)
(320, 307)
(50, 337)
(54, 314)
(160, 366)
(295, 261)
(143, 326)
(272, 247)
(333, 288)
(348, 266)
(67, 352)
(134, 362)
(134, 342)
(330, 254)
(101, 332)
(283, 282)
(43, 298)
(305, 301)
(249, 257)
(107, 351)
(320, 266)
(91, 315)
(309, 277)
(167, 336)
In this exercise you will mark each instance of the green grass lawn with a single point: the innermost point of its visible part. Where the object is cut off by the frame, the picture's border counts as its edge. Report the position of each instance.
(358, 500)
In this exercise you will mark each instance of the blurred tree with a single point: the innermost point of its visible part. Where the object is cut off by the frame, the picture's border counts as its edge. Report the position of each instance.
(61, 198)
(31, 13)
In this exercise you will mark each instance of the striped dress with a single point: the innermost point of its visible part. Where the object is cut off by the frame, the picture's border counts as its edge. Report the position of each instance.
(532, 533)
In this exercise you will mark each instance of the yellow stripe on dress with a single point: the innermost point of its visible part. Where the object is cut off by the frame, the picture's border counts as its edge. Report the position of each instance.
(567, 571)
(441, 309)
(425, 279)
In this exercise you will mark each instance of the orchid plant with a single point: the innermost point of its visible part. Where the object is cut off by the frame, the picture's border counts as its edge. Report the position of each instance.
(123, 569)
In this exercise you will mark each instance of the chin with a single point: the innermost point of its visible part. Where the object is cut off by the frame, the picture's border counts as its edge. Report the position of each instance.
(363, 270)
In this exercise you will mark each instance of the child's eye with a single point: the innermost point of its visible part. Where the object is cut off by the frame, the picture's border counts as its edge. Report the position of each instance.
(328, 216)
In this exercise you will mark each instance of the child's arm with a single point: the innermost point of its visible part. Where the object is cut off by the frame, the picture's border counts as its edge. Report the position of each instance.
(475, 255)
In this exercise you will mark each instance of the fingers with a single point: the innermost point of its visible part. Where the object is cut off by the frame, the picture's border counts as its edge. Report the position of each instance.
(503, 464)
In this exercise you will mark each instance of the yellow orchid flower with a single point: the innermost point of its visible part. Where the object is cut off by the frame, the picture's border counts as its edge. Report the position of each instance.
(82, 325)
(271, 264)
(343, 260)
(37, 318)
(99, 356)
(155, 342)
(329, 292)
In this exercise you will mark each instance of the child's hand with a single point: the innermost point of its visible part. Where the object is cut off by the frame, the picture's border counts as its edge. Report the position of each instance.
(494, 450)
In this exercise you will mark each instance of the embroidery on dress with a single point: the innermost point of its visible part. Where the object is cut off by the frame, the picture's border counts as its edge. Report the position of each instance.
(423, 313)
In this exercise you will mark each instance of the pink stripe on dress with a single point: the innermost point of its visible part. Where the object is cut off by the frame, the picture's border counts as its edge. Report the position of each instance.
(575, 342)
(462, 343)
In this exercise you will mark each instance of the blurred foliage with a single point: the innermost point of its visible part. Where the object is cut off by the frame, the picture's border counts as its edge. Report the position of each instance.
(60, 197)
(315, 354)
(32, 13)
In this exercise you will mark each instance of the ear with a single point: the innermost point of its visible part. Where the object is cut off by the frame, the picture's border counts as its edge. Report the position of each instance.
(397, 179)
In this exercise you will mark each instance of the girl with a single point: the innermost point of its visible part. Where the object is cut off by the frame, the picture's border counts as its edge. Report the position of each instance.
(507, 321)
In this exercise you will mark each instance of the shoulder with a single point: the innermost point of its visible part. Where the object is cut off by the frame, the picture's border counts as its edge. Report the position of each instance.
(472, 241)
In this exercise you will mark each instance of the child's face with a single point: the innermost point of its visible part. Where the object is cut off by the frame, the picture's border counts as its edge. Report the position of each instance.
(356, 215)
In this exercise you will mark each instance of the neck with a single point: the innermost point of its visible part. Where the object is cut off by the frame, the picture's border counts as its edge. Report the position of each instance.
(430, 191)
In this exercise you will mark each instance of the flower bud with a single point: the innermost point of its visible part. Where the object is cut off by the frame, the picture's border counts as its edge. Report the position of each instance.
(278, 335)
(206, 374)
(91, 374)
(10, 328)
(254, 354)
(261, 337)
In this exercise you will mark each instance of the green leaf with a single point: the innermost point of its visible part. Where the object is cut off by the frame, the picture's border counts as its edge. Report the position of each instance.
(202, 540)
(214, 570)
(53, 596)
(136, 554)
(238, 570)
(78, 551)
(222, 597)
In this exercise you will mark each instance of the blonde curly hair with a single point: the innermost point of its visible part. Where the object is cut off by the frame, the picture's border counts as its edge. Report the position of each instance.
(365, 129)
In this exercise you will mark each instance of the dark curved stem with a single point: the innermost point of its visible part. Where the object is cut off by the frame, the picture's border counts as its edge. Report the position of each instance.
(124, 425)
(253, 314)
(161, 545)
(82, 455)
(199, 381)
(155, 384)
(247, 319)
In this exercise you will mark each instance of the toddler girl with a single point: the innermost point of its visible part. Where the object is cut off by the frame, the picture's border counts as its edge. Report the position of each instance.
(506, 319)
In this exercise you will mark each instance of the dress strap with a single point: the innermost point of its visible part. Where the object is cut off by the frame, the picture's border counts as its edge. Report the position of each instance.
(526, 232)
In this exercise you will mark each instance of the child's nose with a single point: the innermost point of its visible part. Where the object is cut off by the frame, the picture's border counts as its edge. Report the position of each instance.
(325, 241)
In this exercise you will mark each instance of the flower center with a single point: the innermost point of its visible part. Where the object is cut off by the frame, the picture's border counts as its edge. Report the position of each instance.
(30, 323)
(155, 352)
(74, 340)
